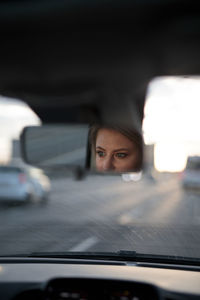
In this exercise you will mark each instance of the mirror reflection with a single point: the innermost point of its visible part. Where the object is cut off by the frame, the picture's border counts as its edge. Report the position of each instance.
(55, 145)
(116, 148)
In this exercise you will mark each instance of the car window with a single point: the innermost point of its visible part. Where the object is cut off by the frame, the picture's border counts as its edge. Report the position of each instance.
(4, 170)
(154, 211)
(193, 163)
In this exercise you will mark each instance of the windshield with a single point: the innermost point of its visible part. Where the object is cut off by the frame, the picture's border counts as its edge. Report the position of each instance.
(154, 211)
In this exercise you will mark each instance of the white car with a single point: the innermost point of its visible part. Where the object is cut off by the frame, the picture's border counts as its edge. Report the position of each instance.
(19, 184)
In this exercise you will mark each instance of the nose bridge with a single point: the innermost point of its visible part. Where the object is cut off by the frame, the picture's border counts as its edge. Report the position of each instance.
(108, 163)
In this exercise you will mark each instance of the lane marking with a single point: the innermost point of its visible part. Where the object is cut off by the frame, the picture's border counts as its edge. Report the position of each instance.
(86, 244)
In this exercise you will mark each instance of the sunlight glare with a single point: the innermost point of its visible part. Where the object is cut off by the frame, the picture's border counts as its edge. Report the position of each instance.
(172, 120)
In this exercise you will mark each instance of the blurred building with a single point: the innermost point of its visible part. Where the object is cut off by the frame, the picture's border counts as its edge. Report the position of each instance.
(16, 153)
(15, 149)
(149, 158)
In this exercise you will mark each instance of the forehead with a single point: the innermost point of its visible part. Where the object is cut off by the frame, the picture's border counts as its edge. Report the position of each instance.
(112, 138)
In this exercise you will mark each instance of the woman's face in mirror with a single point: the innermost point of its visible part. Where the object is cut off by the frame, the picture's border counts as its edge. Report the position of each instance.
(115, 152)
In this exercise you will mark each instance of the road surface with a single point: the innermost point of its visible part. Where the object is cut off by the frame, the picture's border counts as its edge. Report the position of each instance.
(106, 214)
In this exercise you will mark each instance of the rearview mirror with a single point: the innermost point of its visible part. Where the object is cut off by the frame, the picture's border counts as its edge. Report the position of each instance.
(111, 148)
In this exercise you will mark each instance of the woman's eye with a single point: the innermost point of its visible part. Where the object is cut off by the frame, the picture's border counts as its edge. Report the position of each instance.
(100, 153)
(121, 155)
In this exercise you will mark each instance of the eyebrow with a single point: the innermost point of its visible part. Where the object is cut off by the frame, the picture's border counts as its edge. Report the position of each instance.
(116, 150)
(100, 148)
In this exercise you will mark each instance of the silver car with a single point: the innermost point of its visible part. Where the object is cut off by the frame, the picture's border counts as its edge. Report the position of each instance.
(20, 184)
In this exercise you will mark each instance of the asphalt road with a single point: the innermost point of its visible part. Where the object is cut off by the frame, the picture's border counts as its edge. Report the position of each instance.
(106, 214)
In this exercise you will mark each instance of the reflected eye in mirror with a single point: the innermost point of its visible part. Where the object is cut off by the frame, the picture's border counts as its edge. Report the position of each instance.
(100, 153)
(116, 149)
(121, 155)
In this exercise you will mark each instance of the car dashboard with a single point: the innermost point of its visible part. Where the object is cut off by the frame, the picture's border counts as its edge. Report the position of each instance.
(57, 279)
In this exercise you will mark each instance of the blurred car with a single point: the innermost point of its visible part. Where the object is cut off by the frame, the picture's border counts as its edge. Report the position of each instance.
(19, 184)
(191, 174)
(40, 182)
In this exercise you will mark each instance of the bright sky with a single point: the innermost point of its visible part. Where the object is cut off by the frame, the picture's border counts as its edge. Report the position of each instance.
(172, 121)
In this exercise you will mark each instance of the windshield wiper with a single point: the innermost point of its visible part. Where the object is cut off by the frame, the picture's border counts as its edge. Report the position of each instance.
(122, 255)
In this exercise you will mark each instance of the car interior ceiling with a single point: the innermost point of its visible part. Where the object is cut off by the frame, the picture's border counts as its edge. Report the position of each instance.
(75, 55)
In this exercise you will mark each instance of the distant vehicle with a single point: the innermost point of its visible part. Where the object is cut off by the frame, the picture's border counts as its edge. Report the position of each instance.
(20, 184)
(40, 182)
(191, 174)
